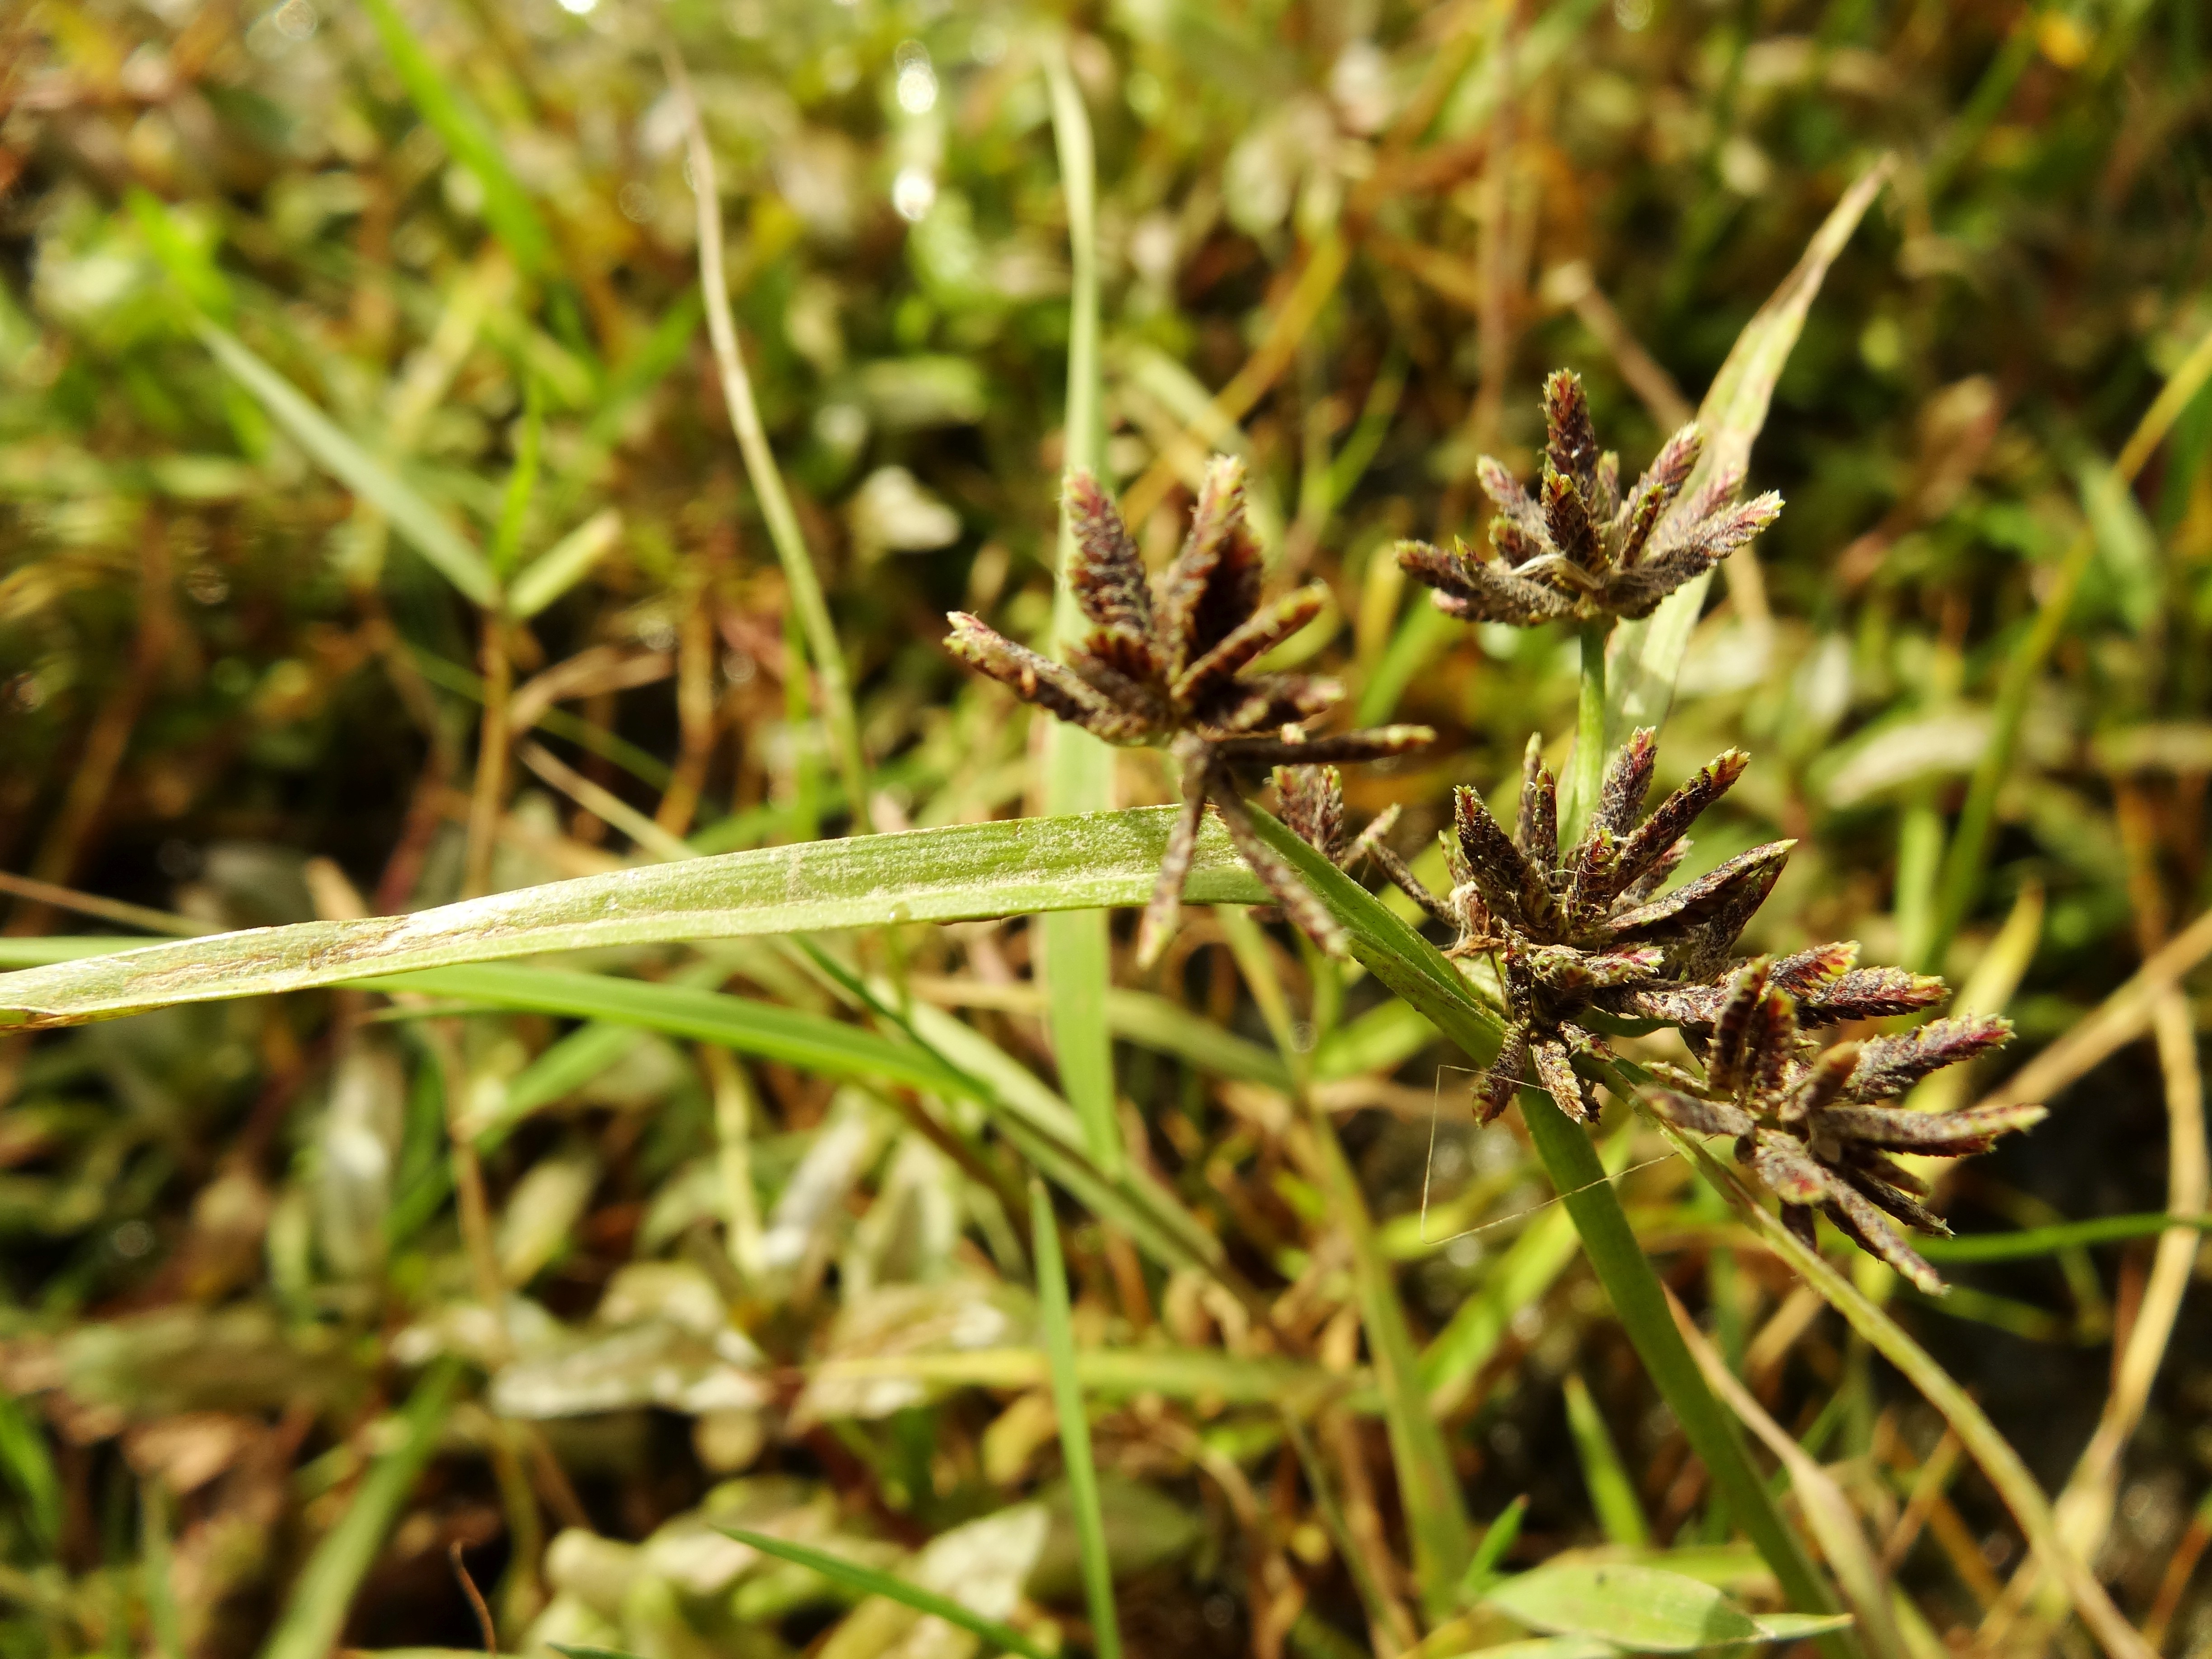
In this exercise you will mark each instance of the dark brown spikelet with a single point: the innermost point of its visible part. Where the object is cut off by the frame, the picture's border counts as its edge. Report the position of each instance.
(1576, 548)
(1171, 665)
(1811, 1122)
(1581, 929)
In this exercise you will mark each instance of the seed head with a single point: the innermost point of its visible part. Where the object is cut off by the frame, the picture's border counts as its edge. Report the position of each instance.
(1577, 549)
(1171, 665)
(1809, 1120)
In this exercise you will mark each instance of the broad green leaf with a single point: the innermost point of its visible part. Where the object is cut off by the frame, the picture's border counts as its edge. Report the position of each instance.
(1641, 1609)
(563, 565)
(868, 1581)
(507, 206)
(1646, 656)
(961, 872)
(353, 466)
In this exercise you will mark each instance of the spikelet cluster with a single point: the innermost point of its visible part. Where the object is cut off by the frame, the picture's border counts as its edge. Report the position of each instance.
(1579, 548)
(1170, 663)
(1810, 1123)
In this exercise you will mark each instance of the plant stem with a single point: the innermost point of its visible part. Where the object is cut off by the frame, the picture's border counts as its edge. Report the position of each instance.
(813, 610)
(1074, 1426)
(489, 793)
(1078, 767)
(1640, 1305)
(1586, 771)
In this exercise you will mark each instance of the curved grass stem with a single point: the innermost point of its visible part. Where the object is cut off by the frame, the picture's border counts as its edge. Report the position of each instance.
(833, 682)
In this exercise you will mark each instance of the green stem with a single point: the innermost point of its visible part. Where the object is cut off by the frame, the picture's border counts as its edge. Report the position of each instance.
(1074, 1426)
(1640, 1305)
(1586, 771)
(766, 478)
(1078, 767)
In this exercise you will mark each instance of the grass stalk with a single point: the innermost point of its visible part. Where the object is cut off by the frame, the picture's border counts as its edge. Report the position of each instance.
(489, 792)
(1074, 1426)
(832, 681)
(157, 1561)
(1640, 1304)
(1586, 771)
(324, 1591)
(1078, 767)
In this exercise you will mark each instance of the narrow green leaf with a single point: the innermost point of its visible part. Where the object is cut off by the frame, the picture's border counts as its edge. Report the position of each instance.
(1795, 1626)
(522, 482)
(1074, 1425)
(1078, 767)
(564, 564)
(1646, 657)
(2049, 1241)
(868, 1581)
(353, 466)
(1119, 1373)
(1497, 1539)
(960, 872)
(324, 1591)
(157, 1566)
(30, 1470)
(508, 208)
(1641, 1609)
(584, 1650)
(1613, 1494)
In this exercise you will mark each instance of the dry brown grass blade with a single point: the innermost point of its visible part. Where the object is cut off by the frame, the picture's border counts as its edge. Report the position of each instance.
(2119, 1020)
(2084, 1509)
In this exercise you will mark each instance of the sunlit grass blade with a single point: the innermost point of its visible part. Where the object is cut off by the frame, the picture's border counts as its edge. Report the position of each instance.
(867, 1581)
(344, 460)
(563, 565)
(1988, 1448)
(323, 1592)
(507, 207)
(1647, 655)
(1074, 1425)
(1124, 1373)
(960, 872)
(30, 1470)
(1078, 767)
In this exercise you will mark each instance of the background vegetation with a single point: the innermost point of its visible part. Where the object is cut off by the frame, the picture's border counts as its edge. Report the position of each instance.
(322, 326)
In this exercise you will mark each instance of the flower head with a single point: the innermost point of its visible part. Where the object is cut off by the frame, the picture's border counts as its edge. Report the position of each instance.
(1589, 928)
(1810, 1122)
(1578, 549)
(1170, 663)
